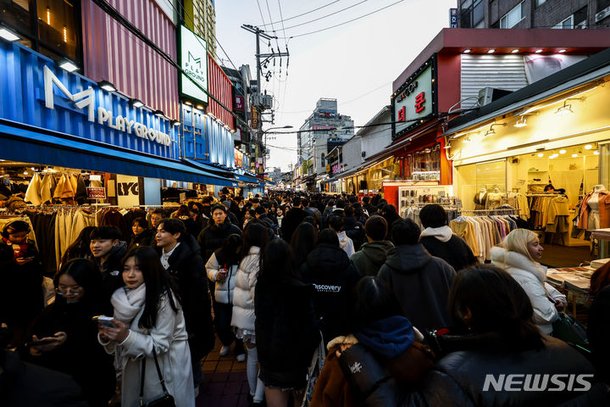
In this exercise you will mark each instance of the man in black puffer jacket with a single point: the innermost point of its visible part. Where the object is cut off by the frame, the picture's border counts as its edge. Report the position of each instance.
(334, 277)
(180, 256)
(218, 230)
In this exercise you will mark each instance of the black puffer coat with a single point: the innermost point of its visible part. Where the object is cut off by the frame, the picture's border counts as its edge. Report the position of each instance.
(287, 330)
(187, 268)
(459, 379)
(334, 277)
(212, 236)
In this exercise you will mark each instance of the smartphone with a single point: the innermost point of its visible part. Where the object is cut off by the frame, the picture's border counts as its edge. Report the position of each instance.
(104, 320)
(42, 341)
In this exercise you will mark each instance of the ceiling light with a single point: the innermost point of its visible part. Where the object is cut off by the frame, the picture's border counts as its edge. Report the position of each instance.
(596, 152)
(562, 151)
(565, 109)
(588, 147)
(574, 155)
(200, 107)
(491, 51)
(188, 103)
(107, 86)
(175, 123)
(159, 113)
(561, 51)
(538, 51)
(540, 155)
(68, 65)
(8, 35)
(467, 51)
(521, 122)
(515, 51)
(491, 130)
(136, 103)
(552, 156)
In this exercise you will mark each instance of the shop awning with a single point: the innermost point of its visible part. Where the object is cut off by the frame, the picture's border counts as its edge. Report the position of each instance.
(209, 168)
(20, 142)
(247, 178)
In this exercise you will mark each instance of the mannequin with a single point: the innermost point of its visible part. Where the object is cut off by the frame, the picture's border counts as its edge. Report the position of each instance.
(480, 198)
(494, 198)
(596, 202)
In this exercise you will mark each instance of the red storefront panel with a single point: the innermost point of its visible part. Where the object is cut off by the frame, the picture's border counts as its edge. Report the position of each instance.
(220, 87)
(113, 53)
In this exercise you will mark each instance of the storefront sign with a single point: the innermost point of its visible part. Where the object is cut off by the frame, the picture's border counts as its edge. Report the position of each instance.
(85, 100)
(453, 18)
(194, 64)
(128, 191)
(415, 100)
(96, 193)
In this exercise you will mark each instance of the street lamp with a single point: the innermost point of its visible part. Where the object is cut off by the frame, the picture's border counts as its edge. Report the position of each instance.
(264, 137)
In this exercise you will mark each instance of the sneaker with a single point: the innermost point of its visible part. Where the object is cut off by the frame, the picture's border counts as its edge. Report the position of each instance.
(241, 357)
(224, 351)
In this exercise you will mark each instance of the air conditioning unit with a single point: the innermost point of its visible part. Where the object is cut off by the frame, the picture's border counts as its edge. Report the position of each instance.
(267, 101)
(363, 154)
(488, 95)
(600, 15)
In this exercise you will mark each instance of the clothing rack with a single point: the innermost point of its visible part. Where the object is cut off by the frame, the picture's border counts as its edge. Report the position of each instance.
(498, 211)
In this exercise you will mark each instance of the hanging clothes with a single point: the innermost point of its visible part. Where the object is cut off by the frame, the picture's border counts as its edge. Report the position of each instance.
(481, 233)
(32, 194)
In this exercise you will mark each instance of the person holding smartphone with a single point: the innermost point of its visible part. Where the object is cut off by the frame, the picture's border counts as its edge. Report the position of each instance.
(63, 337)
(149, 324)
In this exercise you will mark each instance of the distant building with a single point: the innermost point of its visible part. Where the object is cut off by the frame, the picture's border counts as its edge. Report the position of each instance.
(200, 17)
(323, 128)
(559, 14)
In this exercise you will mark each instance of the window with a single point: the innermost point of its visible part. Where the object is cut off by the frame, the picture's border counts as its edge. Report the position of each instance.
(472, 14)
(566, 24)
(51, 27)
(514, 16)
(540, 2)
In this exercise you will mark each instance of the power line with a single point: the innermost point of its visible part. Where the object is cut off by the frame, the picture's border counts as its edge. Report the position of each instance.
(326, 16)
(307, 12)
(346, 22)
(365, 94)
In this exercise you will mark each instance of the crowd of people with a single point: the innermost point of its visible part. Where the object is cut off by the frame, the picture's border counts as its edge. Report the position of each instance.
(329, 301)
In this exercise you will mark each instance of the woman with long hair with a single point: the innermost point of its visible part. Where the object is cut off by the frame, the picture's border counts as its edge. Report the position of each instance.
(494, 338)
(519, 254)
(598, 326)
(63, 336)
(286, 326)
(303, 242)
(148, 324)
(222, 270)
(243, 317)
(79, 249)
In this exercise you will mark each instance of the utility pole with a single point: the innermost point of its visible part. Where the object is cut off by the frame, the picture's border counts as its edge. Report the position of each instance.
(258, 104)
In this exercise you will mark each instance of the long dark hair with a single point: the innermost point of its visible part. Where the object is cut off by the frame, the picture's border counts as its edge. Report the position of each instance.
(229, 252)
(255, 234)
(374, 301)
(277, 263)
(158, 283)
(498, 305)
(86, 275)
(79, 249)
(303, 242)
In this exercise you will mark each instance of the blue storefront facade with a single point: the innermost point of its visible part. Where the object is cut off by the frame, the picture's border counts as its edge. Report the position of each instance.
(49, 116)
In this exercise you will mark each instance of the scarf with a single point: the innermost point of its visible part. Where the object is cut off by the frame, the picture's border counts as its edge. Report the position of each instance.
(443, 233)
(128, 303)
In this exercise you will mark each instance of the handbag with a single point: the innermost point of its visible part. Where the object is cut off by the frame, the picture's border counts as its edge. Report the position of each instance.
(570, 331)
(166, 399)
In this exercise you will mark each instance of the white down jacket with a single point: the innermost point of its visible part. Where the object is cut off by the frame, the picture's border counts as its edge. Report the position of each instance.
(243, 294)
(223, 290)
(532, 278)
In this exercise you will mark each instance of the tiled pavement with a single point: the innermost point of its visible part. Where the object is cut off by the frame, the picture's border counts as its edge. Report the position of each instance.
(224, 381)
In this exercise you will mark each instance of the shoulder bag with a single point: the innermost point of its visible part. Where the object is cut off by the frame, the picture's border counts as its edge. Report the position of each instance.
(166, 399)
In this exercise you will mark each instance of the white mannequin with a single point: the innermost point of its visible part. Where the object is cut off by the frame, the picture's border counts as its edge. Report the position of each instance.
(593, 203)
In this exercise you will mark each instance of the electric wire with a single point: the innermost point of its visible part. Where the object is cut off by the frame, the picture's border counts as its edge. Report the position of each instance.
(307, 12)
(345, 22)
(328, 15)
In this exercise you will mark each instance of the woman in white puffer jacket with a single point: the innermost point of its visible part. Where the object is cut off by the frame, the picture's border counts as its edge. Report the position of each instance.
(243, 318)
(518, 255)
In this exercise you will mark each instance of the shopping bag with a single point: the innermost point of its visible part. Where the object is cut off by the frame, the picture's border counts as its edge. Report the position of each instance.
(569, 330)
